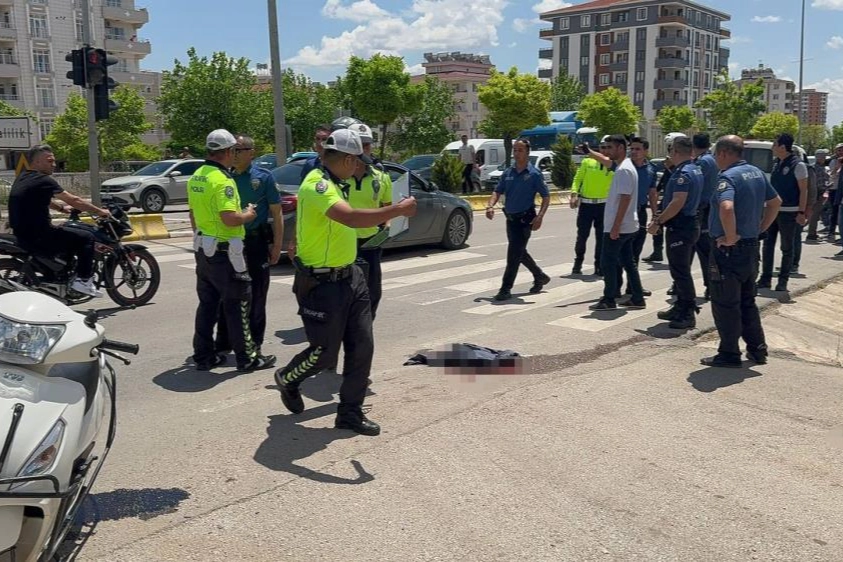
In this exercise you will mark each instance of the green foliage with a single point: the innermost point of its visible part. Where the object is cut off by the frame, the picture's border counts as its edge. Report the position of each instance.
(836, 136)
(446, 172)
(676, 118)
(814, 137)
(204, 94)
(771, 125)
(380, 91)
(733, 110)
(566, 93)
(515, 102)
(69, 135)
(8, 110)
(611, 112)
(562, 173)
(141, 151)
(423, 130)
(306, 105)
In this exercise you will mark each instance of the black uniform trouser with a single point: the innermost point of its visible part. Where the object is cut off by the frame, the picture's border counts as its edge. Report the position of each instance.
(797, 245)
(256, 252)
(518, 234)
(64, 240)
(703, 245)
(681, 243)
(732, 274)
(372, 258)
(589, 215)
(334, 314)
(617, 254)
(641, 236)
(834, 211)
(217, 284)
(467, 186)
(785, 224)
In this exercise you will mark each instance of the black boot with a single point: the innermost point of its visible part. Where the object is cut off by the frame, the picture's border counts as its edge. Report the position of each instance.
(671, 313)
(577, 270)
(353, 419)
(686, 317)
(597, 271)
(655, 256)
(290, 394)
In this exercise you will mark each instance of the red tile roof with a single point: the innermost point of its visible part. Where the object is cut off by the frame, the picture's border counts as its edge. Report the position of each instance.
(594, 4)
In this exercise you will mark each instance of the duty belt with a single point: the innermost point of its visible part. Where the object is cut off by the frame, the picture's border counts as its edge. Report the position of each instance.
(593, 201)
(330, 273)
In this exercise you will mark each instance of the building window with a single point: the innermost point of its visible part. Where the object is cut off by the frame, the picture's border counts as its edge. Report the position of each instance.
(45, 96)
(696, 79)
(41, 60)
(623, 17)
(605, 39)
(604, 59)
(640, 55)
(621, 78)
(583, 61)
(641, 33)
(42, 2)
(117, 33)
(563, 43)
(585, 41)
(114, 3)
(605, 19)
(775, 96)
(38, 26)
(639, 97)
(585, 21)
(46, 127)
(7, 56)
(708, 42)
(708, 80)
(708, 60)
(564, 23)
(641, 14)
(639, 76)
(604, 79)
(79, 27)
(475, 106)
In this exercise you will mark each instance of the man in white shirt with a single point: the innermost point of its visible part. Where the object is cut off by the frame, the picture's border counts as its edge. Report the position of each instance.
(467, 157)
(620, 227)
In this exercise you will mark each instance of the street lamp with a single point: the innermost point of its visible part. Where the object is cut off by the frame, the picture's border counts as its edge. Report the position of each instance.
(801, 62)
(277, 91)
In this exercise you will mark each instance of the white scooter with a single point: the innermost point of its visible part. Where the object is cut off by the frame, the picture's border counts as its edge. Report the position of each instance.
(56, 388)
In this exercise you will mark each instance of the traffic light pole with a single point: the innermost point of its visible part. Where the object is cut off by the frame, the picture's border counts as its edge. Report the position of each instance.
(277, 87)
(93, 143)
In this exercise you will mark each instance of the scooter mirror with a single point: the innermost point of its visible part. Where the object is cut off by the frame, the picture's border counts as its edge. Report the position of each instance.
(91, 318)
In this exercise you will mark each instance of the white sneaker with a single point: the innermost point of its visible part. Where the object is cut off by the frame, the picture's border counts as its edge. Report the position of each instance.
(85, 286)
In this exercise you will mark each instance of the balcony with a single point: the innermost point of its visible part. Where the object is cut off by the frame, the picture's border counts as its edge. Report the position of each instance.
(659, 104)
(670, 84)
(671, 62)
(545, 73)
(724, 53)
(121, 45)
(546, 54)
(124, 77)
(620, 45)
(547, 33)
(667, 41)
(725, 32)
(129, 15)
(7, 31)
(9, 67)
(14, 100)
(675, 18)
(7, 2)
(619, 66)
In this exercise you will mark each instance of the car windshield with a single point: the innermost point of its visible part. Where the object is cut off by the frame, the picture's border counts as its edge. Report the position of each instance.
(154, 169)
(289, 175)
(417, 162)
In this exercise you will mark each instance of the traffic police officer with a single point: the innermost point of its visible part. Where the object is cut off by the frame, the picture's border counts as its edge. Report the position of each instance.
(705, 160)
(588, 193)
(221, 273)
(744, 205)
(262, 245)
(330, 289)
(370, 188)
(679, 217)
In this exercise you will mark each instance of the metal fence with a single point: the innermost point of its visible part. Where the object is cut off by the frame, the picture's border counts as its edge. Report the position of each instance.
(80, 183)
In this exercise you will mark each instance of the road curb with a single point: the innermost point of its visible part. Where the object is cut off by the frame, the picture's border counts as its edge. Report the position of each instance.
(478, 202)
(144, 227)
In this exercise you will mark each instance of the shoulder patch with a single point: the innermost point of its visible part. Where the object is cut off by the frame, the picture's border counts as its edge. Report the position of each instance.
(256, 183)
(321, 186)
(229, 192)
(722, 186)
(680, 180)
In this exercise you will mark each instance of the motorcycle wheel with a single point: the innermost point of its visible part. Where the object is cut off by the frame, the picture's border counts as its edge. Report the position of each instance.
(9, 271)
(135, 284)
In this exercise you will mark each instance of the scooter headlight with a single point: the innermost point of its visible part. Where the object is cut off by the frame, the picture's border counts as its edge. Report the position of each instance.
(43, 457)
(27, 344)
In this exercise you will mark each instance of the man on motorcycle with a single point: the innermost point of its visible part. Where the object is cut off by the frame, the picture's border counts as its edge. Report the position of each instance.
(30, 201)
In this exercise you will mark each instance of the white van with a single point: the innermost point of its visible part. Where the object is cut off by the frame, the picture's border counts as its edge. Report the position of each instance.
(489, 154)
(760, 154)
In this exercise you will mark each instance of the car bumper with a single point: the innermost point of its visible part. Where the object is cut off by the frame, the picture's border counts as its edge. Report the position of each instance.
(122, 198)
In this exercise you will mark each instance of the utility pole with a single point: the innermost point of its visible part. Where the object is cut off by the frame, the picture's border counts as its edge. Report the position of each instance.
(93, 143)
(801, 63)
(277, 87)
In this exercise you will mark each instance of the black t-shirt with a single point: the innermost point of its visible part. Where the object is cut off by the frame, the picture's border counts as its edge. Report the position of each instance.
(29, 203)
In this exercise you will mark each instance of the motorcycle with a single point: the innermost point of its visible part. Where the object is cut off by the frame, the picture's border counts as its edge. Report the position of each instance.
(118, 268)
(56, 388)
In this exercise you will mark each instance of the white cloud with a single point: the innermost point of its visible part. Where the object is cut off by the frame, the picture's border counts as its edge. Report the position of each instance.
(512, 45)
(523, 24)
(737, 40)
(362, 10)
(545, 64)
(734, 69)
(428, 25)
(549, 5)
(415, 70)
(828, 4)
(835, 42)
(766, 19)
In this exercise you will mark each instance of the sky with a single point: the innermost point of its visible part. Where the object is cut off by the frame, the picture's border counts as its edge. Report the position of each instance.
(318, 36)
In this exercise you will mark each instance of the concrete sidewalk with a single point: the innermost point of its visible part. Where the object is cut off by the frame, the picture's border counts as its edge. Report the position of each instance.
(640, 454)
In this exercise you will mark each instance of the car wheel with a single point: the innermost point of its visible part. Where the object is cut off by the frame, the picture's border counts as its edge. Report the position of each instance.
(153, 201)
(456, 231)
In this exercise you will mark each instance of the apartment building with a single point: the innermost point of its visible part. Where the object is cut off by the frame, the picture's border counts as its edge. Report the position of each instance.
(814, 106)
(779, 94)
(465, 73)
(659, 52)
(35, 36)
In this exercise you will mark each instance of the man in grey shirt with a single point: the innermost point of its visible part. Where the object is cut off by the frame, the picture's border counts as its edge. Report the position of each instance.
(620, 227)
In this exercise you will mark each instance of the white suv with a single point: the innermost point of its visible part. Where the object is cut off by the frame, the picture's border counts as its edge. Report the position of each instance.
(152, 187)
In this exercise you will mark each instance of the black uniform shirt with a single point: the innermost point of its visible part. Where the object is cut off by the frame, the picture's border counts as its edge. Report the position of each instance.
(29, 203)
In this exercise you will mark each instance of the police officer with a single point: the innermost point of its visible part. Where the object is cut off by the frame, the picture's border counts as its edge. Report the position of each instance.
(330, 289)
(705, 160)
(588, 195)
(743, 206)
(370, 188)
(263, 242)
(319, 137)
(222, 277)
(679, 218)
(790, 180)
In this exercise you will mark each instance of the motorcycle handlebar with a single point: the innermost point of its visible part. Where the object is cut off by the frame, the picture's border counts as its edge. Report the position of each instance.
(120, 346)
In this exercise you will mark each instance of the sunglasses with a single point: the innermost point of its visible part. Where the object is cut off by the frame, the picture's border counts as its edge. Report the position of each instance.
(244, 149)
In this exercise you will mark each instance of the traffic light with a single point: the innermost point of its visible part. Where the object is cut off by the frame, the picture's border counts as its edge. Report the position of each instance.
(97, 62)
(77, 58)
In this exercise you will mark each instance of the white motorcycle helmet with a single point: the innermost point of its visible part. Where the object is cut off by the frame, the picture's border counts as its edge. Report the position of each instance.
(670, 137)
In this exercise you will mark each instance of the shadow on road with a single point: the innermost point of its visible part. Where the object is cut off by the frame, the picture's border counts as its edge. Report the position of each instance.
(710, 379)
(186, 378)
(288, 441)
(292, 336)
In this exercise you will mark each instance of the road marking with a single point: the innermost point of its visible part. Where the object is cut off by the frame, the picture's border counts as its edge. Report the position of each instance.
(183, 256)
(439, 274)
(532, 239)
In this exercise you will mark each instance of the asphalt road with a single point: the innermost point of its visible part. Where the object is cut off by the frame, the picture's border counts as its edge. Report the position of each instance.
(204, 458)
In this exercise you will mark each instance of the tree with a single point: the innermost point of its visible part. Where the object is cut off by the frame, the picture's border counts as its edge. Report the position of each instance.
(676, 118)
(771, 125)
(446, 173)
(814, 137)
(611, 112)
(209, 94)
(306, 104)
(562, 173)
(515, 102)
(69, 134)
(566, 93)
(381, 91)
(836, 136)
(733, 110)
(424, 130)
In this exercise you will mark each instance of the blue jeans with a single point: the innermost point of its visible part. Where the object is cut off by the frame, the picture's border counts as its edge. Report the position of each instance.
(617, 254)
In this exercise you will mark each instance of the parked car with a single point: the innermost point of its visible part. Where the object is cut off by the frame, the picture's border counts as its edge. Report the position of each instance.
(541, 159)
(153, 187)
(441, 218)
(421, 164)
(127, 166)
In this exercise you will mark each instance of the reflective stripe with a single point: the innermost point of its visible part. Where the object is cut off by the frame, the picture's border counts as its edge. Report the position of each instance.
(789, 209)
(300, 370)
(593, 201)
